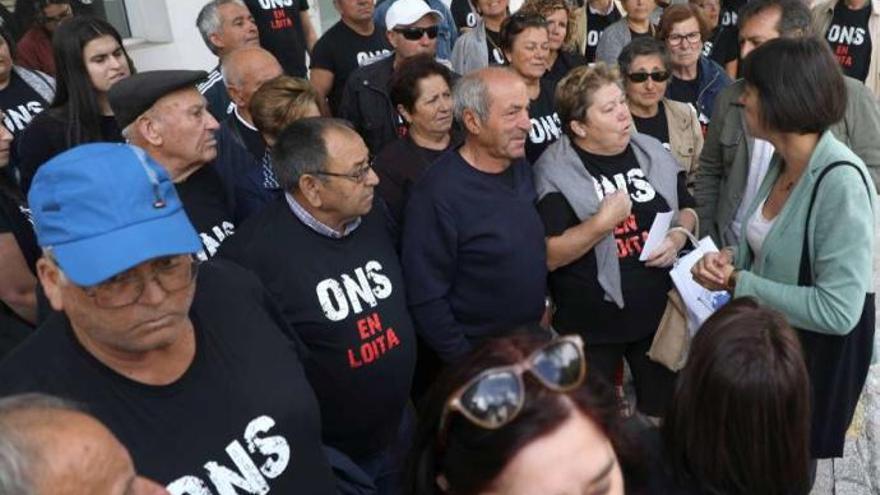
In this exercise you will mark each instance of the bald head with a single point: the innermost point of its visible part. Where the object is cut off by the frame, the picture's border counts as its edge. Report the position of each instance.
(49, 447)
(244, 71)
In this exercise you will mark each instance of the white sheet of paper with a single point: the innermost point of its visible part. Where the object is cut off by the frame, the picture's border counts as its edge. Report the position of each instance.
(656, 234)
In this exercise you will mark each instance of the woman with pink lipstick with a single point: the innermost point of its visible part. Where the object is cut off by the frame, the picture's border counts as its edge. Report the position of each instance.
(18, 256)
(421, 91)
(526, 45)
(644, 65)
(89, 59)
(600, 187)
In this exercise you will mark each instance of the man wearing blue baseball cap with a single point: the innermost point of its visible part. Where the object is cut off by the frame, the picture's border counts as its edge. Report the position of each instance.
(201, 380)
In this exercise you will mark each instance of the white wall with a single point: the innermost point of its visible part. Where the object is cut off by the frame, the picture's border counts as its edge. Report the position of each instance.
(165, 35)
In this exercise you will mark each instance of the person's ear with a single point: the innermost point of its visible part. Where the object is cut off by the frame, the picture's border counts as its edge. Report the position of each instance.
(217, 41)
(392, 38)
(578, 128)
(150, 130)
(236, 95)
(471, 121)
(407, 117)
(51, 280)
(310, 187)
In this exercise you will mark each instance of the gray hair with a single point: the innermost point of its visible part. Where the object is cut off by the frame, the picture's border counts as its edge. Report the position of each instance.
(209, 21)
(471, 93)
(301, 149)
(19, 458)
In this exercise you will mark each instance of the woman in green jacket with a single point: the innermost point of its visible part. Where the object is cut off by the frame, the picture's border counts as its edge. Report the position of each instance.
(794, 92)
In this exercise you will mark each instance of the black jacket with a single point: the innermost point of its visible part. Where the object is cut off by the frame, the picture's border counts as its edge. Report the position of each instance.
(366, 103)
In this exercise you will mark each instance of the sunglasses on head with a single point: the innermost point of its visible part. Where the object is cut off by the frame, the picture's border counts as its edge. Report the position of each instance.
(640, 77)
(495, 397)
(416, 33)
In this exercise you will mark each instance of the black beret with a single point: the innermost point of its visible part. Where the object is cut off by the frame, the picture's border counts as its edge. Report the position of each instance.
(135, 94)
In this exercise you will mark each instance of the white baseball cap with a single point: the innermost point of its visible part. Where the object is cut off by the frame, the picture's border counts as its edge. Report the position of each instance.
(406, 12)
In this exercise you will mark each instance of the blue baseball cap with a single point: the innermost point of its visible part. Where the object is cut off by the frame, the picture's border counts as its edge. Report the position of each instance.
(106, 207)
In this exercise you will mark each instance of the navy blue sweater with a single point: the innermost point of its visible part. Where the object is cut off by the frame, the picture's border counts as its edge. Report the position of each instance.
(473, 254)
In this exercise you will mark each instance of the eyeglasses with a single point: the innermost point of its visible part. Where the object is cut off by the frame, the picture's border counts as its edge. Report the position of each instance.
(358, 176)
(58, 18)
(676, 39)
(656, 76)
(495, 397)
(416, 33)
(173, 273)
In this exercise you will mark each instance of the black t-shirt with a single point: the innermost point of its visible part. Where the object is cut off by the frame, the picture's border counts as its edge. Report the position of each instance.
(722, 45)
(399, 165)
(346, 300)
(241, 419)
(850, 39)
(684, 91)
(463, 14)
(16, 219)
(647, 34)
(729, 12)
(493, 44)
(656, 126)
(46, 137)
(209, 208)
(580, 301)
(20, 104)
(596, 23)
(564, 63)
(546, 126)
(281, 32)
(341, 50)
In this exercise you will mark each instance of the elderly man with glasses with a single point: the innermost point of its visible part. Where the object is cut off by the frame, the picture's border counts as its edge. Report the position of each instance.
(325, 254)
(200, 379)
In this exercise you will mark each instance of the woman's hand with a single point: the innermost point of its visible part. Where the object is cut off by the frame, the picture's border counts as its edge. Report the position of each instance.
(666, 253)
(713, 270)
(614, 209)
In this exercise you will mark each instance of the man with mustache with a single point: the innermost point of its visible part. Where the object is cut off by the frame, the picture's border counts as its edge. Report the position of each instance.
(163, 113)
(472, 247)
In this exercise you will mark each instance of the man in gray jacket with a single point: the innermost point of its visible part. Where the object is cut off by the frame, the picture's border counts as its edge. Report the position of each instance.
(733, 163)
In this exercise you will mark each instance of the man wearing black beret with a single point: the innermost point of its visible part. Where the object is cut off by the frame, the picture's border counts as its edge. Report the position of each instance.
(163, 113)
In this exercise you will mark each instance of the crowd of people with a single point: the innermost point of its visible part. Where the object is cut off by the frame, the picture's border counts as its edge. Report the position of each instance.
(420, 253)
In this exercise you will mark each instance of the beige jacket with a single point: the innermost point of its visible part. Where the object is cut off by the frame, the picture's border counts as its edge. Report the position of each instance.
(823, 11)
(685, 137)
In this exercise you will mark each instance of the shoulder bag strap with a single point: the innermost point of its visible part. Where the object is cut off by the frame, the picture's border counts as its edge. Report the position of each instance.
(805, 273)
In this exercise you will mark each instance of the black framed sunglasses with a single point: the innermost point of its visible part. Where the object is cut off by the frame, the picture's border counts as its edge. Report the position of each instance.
(416, 33)
(656, 76)
(495, 397)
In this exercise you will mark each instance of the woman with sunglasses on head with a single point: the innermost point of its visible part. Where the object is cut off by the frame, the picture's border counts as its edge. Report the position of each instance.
(696, 79)
(18, 256)
(739, 419)
(89, 59)
(600, 187)
(524, 39)
(807, 245)
(636, 24)
(515, 417)
(481, 46)
(563, 55)
(645, 66)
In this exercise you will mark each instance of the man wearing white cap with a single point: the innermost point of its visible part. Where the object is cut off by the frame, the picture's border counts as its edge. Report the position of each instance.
(412, 30)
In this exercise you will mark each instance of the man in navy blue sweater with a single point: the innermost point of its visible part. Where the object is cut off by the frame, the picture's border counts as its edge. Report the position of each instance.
(473, 245)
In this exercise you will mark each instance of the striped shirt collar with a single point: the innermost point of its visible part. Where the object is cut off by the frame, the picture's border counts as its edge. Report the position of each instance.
(315, 224)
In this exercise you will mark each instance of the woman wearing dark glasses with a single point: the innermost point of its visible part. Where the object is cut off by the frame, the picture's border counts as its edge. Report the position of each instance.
(516, 417)
(600, 187)
(645, 66)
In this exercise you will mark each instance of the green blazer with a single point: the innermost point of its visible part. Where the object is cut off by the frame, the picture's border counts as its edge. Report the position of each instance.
(840, 238)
